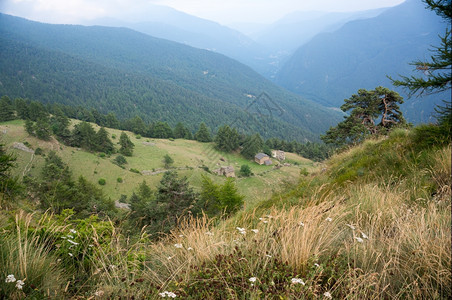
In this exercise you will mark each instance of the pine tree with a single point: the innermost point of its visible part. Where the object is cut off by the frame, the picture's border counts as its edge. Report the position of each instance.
(126, 145)
(253, 144)
(173, 200)
(103, 142)
(437, 71)
(365, 108)
(227, 139)
(231, 201)
(203, 134)
(6, 109)
(42, 129)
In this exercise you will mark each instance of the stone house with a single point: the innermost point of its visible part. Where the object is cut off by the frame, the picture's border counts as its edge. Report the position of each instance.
(262, 159)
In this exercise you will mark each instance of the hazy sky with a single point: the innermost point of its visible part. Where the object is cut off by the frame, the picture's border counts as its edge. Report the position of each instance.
(222, 11)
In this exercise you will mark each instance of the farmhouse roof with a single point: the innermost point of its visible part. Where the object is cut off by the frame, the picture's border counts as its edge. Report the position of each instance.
(261, 155)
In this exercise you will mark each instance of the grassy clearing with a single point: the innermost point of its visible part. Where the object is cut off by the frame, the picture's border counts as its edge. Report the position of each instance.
(189, 157)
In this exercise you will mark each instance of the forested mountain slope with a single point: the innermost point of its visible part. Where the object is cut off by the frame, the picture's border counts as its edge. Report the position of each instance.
(333, 66)
(119, 70)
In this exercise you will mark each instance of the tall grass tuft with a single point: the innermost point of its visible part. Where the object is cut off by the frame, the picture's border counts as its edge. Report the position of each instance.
(28, 257)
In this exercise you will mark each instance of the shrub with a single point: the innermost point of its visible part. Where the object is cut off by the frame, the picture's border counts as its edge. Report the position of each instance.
(119, 179)
(102, 181)
(120, 160)
(38, 151)
(245, 171)
(134, 171)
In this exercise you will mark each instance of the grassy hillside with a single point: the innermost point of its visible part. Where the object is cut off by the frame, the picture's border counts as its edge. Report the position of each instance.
(375, 223)
(189, 158)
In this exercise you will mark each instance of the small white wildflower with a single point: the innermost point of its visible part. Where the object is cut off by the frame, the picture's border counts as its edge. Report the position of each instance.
(181, 235)
(90, 245)
(63, 237)
(364, 236)
(19, 284)
(189, 248)
(301, 224)
(351, 226)
(241, 230)
(268, 255)
(252, 279)
(327, 295)
(358, 239)
(317, 265)
(255, 230)
(178, 246)
(73, 231)
(72, 242)
(265, 221)
(10, 278)
(71, 255)
(167, 294)
(112, 266)
(70, 236)
(328, 219)
(209, 233)
(99, 293)
(270, 217)
(298, 280)
(169, 257)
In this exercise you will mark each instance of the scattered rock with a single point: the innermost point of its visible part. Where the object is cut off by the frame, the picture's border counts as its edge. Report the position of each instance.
(22, 147)
(148, 144)
(122, 205)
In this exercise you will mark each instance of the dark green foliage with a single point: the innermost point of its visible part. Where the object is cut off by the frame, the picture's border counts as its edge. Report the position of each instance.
(245, 171)
(364, 109)
(126, 145)
(8, 185)
(84, 136)
(161, 130)
(167, 161)
(103, 142)
(21, 107)
(130, 74)
(120, 160)
(42, 129)
(29, 127)
(174, 199)
(227, 139)
(102, 181)
(219, 199)
(209, 200)
(58, 191)
(253, 144)
(430, 135)
(182, 132)
(203, 133)
(60, 125)
(231, 201)
(6, 109)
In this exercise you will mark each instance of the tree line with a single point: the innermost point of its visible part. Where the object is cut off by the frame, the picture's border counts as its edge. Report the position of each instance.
(44, 120)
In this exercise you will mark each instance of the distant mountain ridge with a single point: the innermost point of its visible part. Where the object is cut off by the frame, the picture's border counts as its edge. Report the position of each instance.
(168, 23)
(131, 73)
(333, 66)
